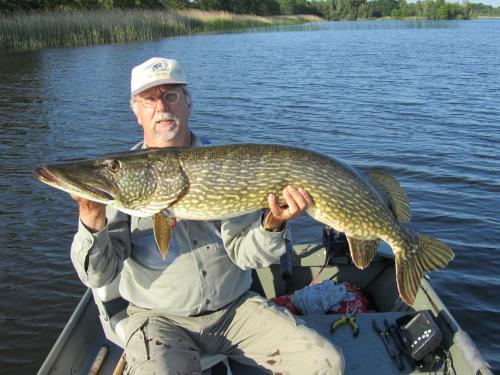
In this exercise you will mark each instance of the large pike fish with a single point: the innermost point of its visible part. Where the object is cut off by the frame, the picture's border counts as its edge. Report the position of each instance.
(219, 182)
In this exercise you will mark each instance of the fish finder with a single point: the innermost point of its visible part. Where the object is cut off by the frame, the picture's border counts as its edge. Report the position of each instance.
(420, 334)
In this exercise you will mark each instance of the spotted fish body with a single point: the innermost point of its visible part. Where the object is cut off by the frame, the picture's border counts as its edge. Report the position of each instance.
(218, 182)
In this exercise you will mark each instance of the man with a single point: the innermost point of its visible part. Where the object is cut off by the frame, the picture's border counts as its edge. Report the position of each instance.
(197, 299)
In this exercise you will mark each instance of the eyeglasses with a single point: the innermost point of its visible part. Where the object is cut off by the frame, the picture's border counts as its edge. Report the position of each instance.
(151, 101)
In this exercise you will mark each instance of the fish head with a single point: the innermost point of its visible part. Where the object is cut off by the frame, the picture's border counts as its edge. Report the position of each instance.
(126, 181)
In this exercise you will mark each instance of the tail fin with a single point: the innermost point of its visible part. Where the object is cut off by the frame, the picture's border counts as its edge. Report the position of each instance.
(423, 254)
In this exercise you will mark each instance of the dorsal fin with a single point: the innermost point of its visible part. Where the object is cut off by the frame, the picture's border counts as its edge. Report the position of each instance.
(398, 200)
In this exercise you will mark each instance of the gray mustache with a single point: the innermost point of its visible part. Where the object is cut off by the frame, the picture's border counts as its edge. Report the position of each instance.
(165, 117)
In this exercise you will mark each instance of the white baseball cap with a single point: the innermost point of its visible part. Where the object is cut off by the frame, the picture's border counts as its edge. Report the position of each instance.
(156, 71)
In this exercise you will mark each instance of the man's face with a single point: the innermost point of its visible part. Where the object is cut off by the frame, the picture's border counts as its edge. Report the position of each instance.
(163, 112)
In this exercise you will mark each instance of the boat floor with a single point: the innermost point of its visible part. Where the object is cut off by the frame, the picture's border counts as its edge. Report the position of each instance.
(363, 354)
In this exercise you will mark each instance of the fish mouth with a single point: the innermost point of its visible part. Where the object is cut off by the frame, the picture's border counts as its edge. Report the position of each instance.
(73, 187)
(44, 175)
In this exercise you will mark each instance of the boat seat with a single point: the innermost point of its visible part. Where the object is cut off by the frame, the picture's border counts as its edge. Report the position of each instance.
(113, 316)
(117, 323)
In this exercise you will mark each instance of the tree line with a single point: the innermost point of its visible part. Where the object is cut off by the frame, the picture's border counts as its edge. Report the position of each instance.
(328, 9)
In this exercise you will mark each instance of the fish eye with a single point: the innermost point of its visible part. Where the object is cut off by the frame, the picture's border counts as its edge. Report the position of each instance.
(113, 165)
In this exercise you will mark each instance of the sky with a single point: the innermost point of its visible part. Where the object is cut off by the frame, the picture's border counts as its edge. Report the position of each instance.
(495, 3)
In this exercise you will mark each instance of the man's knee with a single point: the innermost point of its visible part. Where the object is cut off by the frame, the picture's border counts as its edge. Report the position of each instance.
(149, 352)
(326, 358)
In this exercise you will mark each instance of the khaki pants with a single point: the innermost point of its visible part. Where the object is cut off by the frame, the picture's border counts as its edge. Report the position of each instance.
(252, 331)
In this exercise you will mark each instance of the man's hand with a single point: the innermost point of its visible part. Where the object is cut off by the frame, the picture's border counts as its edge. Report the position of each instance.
(297, 201)
(92, 214)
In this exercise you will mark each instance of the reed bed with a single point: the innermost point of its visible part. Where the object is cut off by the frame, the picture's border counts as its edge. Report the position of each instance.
(27, 31)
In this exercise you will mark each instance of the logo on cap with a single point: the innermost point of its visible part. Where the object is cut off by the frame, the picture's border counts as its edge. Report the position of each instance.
(158, 66)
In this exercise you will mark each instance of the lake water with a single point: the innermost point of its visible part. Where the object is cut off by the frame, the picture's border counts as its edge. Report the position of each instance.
(419, 100)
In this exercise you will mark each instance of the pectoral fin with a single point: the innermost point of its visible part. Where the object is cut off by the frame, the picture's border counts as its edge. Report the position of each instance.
(362, 251)
(162, 230)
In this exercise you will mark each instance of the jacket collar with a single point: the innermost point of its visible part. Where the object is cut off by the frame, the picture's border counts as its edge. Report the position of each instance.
(195, 141)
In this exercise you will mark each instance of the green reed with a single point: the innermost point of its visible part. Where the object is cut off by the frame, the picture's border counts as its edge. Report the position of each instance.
(25, 31)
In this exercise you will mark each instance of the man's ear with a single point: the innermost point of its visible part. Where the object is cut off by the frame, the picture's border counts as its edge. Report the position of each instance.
(135, 108)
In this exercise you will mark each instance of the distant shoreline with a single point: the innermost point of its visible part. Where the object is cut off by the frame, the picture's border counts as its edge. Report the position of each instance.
(50, 29)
